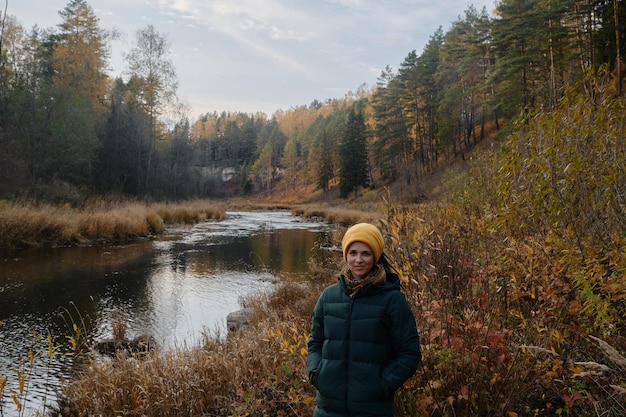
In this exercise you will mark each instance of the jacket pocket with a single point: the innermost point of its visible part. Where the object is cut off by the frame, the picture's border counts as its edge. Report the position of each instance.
(313, 378)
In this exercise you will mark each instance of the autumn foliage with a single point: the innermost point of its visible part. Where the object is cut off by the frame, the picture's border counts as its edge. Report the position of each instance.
(519, 280)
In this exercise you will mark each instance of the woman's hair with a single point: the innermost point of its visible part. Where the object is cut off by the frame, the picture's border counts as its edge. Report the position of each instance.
(386, 263)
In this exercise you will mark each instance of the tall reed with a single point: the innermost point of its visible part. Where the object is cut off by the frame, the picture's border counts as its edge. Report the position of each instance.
(32, 224)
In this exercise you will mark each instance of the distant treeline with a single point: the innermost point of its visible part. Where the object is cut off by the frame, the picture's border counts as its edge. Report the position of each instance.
(68, 130)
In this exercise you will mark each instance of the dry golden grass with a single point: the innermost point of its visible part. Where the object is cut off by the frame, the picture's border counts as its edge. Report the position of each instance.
(115, 224)
(338, 215)
(189, 212)
(119, 323)
(26, 225)
(30, 224)
(252, 205)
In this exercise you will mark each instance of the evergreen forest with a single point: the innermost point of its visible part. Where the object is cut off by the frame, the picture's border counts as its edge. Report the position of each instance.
(68, 130)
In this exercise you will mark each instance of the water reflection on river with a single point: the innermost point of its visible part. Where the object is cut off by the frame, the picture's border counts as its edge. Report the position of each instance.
(174, 288)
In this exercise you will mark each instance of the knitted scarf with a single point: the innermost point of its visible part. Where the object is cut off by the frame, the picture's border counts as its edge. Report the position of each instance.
(376, 276)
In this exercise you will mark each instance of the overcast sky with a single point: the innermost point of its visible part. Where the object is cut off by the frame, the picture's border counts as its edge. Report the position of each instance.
(265, 55)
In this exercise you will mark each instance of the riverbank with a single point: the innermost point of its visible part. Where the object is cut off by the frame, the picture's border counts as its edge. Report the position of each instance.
(173, 287)
(257, 371)
(25, 225)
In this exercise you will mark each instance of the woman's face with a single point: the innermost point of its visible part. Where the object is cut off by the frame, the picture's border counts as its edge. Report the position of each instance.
(360, 259)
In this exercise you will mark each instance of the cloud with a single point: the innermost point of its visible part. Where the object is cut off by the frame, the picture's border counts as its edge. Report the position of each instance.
(257, 24)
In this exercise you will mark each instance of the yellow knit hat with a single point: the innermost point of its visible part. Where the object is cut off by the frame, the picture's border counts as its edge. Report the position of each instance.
(366, 233)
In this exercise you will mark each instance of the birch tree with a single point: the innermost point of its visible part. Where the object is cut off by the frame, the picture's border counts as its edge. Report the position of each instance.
(153, 77)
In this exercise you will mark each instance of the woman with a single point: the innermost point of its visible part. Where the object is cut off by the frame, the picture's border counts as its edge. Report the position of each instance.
(364, 343)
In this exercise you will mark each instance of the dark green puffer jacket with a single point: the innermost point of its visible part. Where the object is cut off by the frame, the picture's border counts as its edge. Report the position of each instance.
(361, 350)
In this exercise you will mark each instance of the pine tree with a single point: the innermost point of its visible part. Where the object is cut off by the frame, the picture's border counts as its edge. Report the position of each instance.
(324, 163)
(389, 123)
(464, 55)
(353, 152)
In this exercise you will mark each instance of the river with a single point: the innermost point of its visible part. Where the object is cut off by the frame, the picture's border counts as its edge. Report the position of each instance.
(174, 288)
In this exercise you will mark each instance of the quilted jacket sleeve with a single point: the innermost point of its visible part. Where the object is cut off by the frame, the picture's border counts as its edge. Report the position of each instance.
(405, 343)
